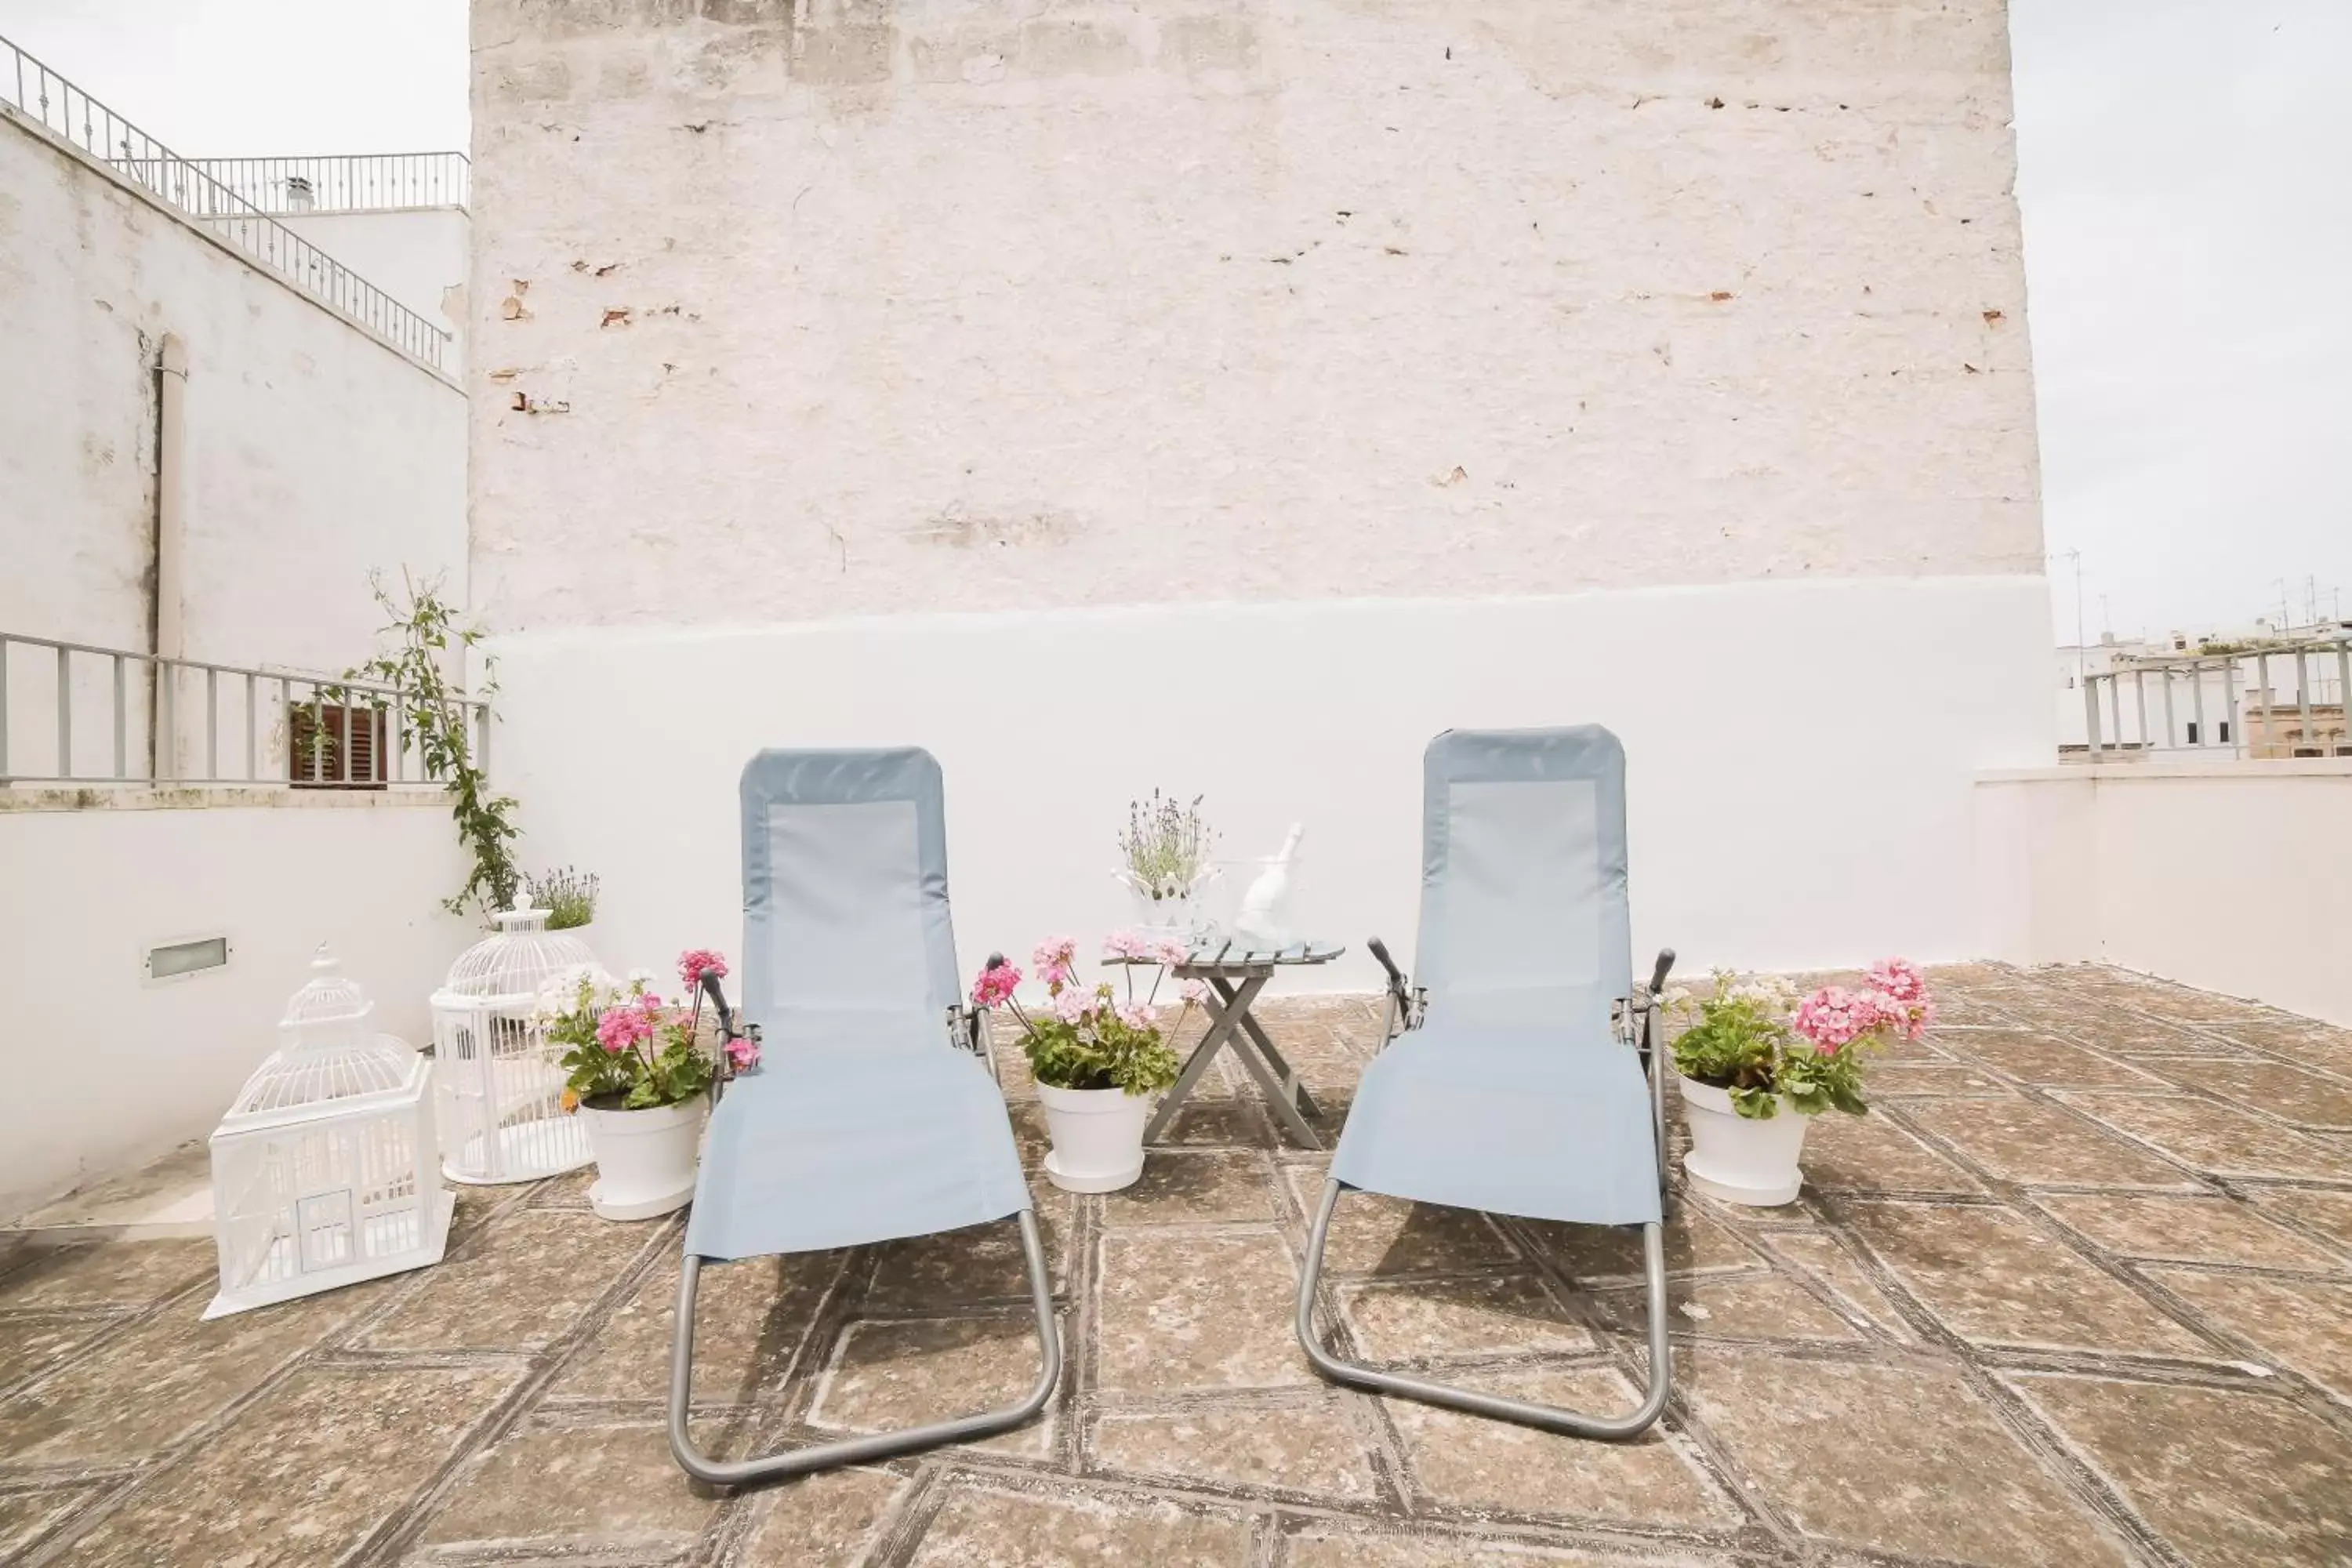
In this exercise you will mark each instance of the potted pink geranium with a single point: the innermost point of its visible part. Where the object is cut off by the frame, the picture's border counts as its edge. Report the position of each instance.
(638, 1072)
(1099, 1057)
(1757, 1063)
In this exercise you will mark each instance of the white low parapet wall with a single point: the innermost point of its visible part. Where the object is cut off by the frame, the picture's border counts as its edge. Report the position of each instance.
(2228, 875)
(1800, 755)
(107, 1068)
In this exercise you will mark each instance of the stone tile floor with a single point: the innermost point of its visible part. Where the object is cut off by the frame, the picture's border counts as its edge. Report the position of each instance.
(2080, 1291)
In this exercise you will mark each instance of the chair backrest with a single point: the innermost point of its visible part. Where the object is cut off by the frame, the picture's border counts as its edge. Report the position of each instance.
(846, 937)
(1523, 914)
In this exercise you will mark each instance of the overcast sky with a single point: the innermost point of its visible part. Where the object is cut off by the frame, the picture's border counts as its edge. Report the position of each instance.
(2185, 174)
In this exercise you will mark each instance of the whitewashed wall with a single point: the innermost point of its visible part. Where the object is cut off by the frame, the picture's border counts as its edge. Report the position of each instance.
(1791, 807)
(106, 1069)
(2225, 876)
(1227, 397)
(419, 256)
(314, 453)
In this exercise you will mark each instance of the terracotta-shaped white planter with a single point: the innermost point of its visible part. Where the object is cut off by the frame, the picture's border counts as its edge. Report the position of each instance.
(644, 1159)
(1737, 1159)
(1098, 1137)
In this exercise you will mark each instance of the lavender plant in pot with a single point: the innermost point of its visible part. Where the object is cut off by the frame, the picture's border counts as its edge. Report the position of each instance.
(568, 896)
(1164, 852)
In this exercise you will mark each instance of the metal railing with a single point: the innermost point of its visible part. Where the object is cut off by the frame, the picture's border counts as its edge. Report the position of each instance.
(2281, 700)
(348, 182)
(32, 92)
(185, 722)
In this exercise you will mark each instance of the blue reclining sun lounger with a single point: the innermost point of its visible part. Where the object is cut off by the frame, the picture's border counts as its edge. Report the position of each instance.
(874, 1113)
(1513, 1080)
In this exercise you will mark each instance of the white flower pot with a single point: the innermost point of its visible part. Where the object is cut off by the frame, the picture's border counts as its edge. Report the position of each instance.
(644, 1159)
(1098, 1137)
(1177, 919)
(1166, 920)
(1737, 1158)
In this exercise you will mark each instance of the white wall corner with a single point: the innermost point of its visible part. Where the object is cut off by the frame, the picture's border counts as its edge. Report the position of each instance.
(2037, 868)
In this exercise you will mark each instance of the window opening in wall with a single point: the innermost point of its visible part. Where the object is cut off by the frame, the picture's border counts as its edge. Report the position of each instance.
(316, 758)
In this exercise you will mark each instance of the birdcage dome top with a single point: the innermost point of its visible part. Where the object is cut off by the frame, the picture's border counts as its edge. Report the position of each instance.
(327, 1054)
(513, 963)
(329, 998)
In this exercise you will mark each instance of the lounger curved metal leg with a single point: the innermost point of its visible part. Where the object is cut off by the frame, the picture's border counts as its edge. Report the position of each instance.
(1567, 1423)
(880, 1444)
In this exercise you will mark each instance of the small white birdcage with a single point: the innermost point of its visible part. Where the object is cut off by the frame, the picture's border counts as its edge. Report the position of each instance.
(322, 1170)
(501, 1082)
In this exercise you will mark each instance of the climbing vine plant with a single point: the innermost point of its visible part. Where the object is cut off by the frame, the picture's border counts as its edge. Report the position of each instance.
(419, 635)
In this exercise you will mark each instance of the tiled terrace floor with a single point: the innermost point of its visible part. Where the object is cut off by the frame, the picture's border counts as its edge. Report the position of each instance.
(2080, 1292)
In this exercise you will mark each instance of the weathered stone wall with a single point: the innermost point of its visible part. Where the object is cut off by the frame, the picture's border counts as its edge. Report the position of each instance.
(861, 306)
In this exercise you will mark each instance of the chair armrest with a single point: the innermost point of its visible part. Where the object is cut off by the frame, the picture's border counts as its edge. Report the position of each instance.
(1645, 1001)
(1380, 949)
(968, 1025)
(968, 1031)
(723, 1071)
(1406, 1001)
(1645, 997)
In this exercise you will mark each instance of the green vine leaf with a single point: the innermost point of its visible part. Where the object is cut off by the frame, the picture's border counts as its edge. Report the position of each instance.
(437, 716)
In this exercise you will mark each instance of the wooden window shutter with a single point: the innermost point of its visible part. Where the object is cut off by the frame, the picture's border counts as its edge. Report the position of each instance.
(321, 728)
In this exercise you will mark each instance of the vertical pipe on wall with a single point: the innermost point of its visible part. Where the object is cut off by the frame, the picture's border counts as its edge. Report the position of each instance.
(168, 633)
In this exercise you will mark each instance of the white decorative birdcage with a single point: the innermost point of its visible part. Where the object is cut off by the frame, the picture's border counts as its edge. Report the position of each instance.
(501, 1081)
(322, 1170)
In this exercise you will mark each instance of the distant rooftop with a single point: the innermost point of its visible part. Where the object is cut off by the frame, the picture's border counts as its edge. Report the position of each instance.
(342, 181)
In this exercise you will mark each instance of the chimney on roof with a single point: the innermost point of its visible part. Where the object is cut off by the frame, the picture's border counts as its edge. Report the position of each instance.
(300, 197)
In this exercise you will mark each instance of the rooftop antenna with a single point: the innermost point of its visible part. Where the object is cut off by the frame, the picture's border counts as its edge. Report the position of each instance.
(2081, 664)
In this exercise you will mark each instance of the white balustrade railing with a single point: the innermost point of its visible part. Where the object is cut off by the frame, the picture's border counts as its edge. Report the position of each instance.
(2270, 700)
(75, 714)
(347, 183)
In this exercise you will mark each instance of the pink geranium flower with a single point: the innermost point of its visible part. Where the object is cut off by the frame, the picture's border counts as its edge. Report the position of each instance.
(743, 1051)
(1901, 993)
(1896, 978)
(1135, 1014)
(626, 1025)
(1195, 991)
(1053, 958)
(994, 986)
(1834, 1017)
(1073, 1005)
(697, 961)
(1128, 944)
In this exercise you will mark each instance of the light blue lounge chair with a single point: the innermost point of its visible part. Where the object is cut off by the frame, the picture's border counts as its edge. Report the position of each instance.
(874, 1113)
(1512, 1078)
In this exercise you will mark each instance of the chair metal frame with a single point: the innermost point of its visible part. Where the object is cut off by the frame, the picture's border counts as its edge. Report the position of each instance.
(1408, 1008)
(965, 1031)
